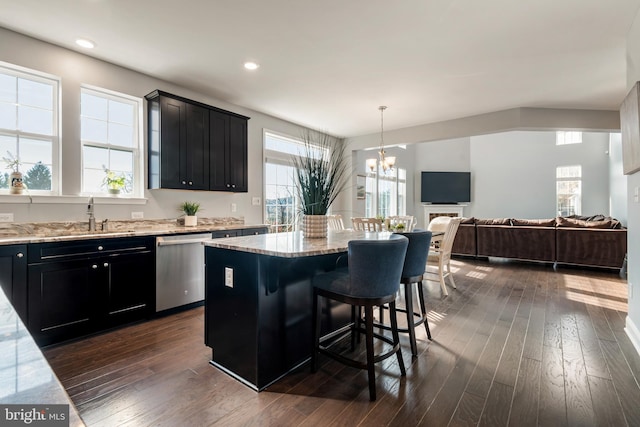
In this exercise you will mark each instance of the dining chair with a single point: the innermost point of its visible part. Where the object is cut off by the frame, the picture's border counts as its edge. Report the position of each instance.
(409, 222)
(366, 224)
(371, 280)
(440, 255)
(335, 222)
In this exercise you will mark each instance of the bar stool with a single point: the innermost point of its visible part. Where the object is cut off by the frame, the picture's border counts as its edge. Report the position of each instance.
(412, 272)
(372, 280)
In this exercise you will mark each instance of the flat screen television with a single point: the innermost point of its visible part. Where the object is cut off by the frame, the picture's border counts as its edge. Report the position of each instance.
(445, 187)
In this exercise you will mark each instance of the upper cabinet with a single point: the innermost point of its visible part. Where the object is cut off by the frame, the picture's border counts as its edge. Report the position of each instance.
(194, 146)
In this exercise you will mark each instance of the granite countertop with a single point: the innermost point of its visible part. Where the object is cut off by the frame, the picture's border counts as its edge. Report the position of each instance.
(40, 232)
(27, 378)
(293, 244)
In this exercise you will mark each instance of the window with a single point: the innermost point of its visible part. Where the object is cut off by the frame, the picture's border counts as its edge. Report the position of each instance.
(110, 126)
(29, 127)
(386, 193)
(564, 138)
(280, 202)
(569, 190)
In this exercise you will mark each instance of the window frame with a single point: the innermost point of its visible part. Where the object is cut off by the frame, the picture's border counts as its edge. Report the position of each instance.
(137, 190)
(44, 78)
(566, 179)
(568, 137)
(372, 191)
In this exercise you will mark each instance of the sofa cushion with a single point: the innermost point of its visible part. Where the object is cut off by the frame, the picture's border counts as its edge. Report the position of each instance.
(580, 223)
(534, 222)
(470, 220)
(598, 217)
(493, 221)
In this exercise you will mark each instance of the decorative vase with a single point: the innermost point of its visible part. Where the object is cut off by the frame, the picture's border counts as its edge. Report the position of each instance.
(190, 220)
(314, 226)
(114, 191)
(16, 183)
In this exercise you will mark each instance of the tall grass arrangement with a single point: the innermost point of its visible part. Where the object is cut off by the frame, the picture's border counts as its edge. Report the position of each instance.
(321, 171)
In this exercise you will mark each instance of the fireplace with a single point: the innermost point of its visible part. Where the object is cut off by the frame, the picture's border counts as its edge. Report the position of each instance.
(432, 211)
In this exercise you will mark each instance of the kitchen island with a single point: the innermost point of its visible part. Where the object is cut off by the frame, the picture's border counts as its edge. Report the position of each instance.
(258, 299)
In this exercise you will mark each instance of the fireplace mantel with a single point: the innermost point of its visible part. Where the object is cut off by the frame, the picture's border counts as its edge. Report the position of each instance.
(432, 211)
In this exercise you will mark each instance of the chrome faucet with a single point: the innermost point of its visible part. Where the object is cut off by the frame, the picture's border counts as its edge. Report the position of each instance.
(92, 219)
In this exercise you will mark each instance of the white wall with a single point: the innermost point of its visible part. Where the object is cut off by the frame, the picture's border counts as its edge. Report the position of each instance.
(617, 181)
(451, 155)
(76, 69)
(633, 212)
(514, 174)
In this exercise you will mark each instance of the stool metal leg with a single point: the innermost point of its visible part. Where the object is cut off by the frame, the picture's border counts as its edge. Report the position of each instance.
(368, 320)
(423, 308)
(408, 302)
(396, 336)
(316, 332)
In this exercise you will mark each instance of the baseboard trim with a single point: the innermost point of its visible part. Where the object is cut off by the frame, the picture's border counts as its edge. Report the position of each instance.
(633, 333)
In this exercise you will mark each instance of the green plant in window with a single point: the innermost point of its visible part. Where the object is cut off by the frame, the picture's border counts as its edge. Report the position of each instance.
(114, 181)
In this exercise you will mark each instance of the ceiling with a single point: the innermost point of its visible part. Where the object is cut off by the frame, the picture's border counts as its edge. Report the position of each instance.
(329, 64)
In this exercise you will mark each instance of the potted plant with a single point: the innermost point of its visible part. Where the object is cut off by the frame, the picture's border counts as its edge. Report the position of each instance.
(321, 175)
(113, 181)
(190, 209)
(16, 186)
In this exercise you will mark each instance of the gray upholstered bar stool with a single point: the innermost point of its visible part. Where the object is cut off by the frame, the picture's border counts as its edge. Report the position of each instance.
(412, 272)
(372, 280)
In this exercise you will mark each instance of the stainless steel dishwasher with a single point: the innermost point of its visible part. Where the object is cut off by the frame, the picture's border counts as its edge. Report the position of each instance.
(179, 270)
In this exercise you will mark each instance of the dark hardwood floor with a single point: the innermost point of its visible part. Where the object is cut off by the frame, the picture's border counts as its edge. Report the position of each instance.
(515, 344)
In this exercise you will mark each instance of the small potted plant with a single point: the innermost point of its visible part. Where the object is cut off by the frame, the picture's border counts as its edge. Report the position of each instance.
(190, 209)
(113, 181)
(16, 186)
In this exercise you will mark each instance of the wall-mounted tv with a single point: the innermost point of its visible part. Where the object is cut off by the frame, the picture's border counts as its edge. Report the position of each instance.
(445, 187)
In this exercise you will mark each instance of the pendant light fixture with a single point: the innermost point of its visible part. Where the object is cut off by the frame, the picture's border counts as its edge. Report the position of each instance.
(386, 162)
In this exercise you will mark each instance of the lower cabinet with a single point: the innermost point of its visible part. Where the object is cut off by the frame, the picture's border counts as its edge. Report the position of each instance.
(74, 294)
(13, 276)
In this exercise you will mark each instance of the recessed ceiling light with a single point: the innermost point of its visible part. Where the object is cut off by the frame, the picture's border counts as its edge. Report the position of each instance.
(251, 65)
(85, 43)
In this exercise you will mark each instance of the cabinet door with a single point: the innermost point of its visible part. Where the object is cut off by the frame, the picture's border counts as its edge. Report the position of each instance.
(237, 161)
(129, 294)
(173, 146)
(218, 137)
(13, 277)
(62, 299)
(197, 148)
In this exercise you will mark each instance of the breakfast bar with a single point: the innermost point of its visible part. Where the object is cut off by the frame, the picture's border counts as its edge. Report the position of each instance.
(258, 300)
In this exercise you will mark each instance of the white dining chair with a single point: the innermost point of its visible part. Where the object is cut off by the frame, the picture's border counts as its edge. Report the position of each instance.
(409, 222)
(366, 224)
(440, 254)
(335, 222)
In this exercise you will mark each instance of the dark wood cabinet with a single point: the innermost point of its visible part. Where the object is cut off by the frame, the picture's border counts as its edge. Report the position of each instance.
(228, 153)
(13, 276)
(195, 146)
(82, 287)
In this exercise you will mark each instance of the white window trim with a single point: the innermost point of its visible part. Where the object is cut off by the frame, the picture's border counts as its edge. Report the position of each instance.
(138, 151)
(379, 175)
(56, 149)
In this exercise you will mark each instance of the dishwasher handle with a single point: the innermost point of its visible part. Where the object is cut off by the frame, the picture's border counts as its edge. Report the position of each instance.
(162, 242)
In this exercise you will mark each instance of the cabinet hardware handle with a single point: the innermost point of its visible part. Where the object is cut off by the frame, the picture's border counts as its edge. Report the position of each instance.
(184, 182)
(190, 182)
(94, 266)
(19, 254)
(233, 185)
(228, 185)
(106, 264)
(100, 248)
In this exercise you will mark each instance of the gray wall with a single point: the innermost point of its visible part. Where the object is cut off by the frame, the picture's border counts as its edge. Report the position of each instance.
(514, 174)
(76, 69)
(633, 207)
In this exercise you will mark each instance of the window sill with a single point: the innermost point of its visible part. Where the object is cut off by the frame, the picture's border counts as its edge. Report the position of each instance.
(98, 200)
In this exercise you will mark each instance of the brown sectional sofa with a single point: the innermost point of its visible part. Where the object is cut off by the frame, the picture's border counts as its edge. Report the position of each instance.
(595, 241)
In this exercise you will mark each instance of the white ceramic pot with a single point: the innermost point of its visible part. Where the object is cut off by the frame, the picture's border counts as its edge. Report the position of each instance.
(190, 220)
(114, 191)
(314, 226)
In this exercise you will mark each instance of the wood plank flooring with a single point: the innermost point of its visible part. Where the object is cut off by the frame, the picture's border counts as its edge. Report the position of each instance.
(516, 344)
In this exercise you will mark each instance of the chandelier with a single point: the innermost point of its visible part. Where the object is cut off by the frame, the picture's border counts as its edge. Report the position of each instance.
(386, 162)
